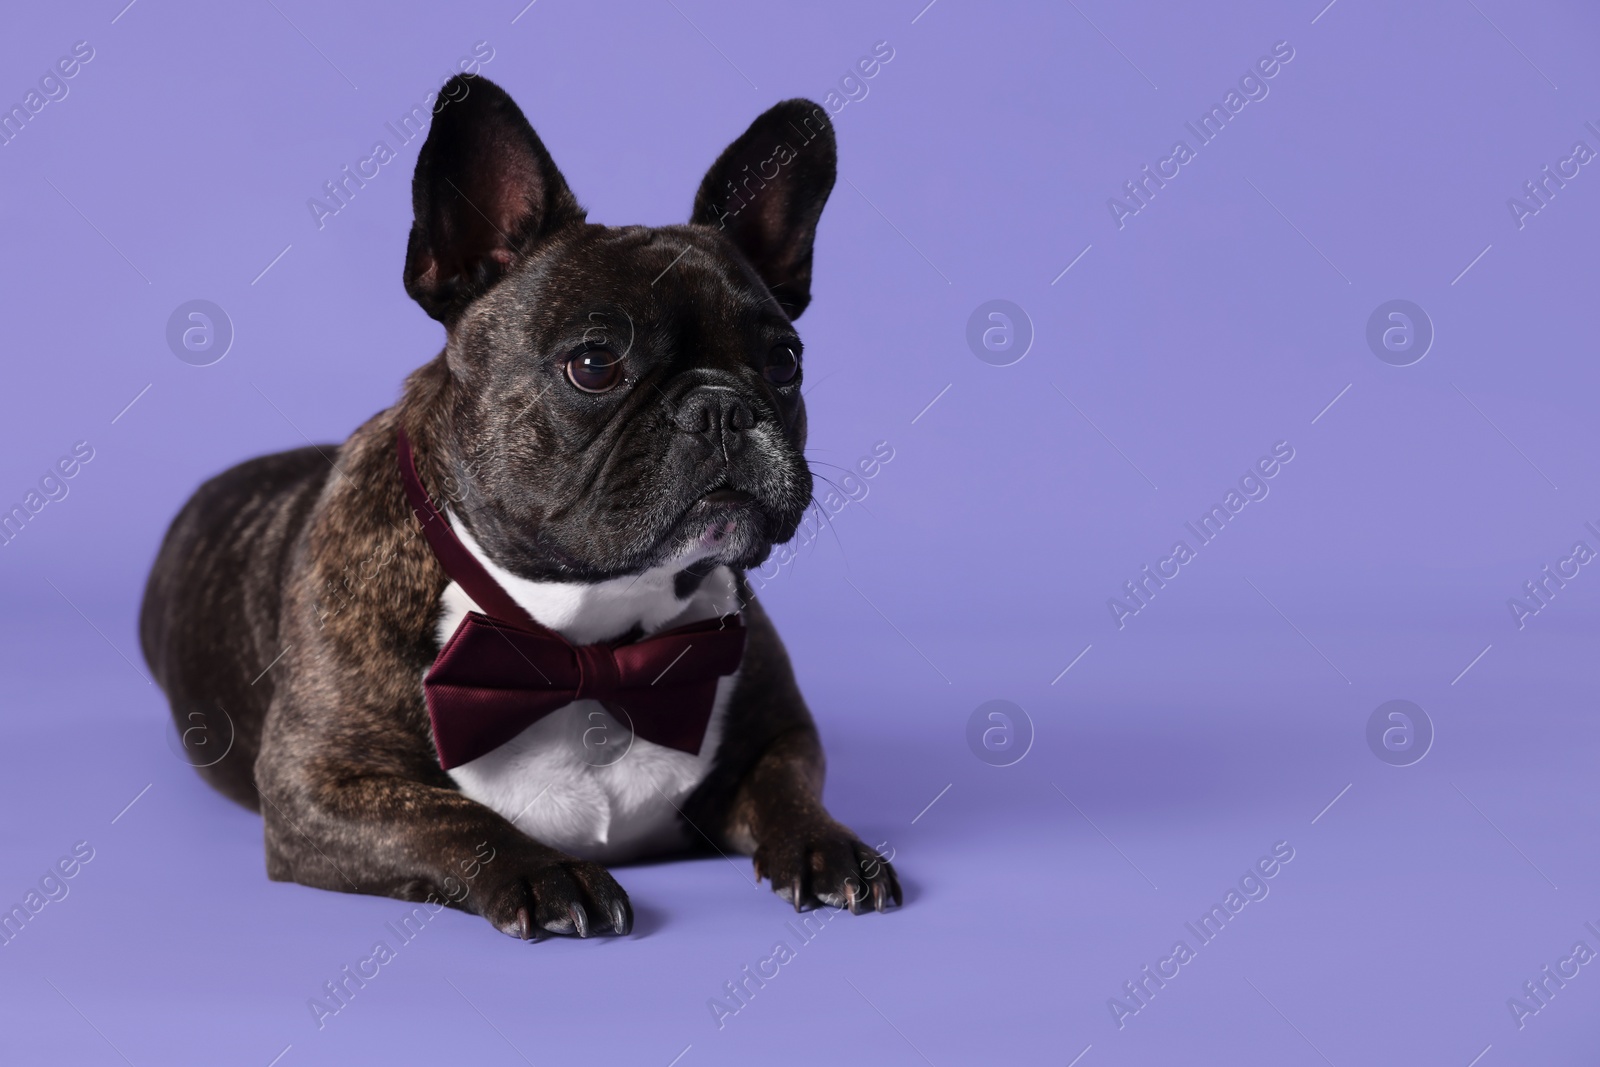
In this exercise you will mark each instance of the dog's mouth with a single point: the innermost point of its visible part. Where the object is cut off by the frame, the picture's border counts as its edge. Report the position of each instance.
(724, 523)
(722, 514)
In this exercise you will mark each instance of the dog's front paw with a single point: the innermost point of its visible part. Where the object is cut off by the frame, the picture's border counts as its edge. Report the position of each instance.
(565, 896)
(829, 865)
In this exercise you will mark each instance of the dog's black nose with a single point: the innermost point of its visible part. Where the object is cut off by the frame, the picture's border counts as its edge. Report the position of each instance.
(718, 415)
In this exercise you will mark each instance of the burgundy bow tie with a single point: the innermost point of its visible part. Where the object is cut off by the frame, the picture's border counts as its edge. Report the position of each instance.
(501, 671)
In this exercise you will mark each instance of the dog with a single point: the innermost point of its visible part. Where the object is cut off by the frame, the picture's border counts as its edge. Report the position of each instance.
(612, 435)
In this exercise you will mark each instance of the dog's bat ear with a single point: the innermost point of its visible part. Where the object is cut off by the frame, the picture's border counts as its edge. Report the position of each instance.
(485, 192)
(766, 192)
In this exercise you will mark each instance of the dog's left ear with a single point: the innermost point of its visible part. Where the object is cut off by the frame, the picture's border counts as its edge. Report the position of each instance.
(766, 192)
(485, 192)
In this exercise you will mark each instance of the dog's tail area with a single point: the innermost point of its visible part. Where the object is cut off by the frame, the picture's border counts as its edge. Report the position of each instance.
(209, 621)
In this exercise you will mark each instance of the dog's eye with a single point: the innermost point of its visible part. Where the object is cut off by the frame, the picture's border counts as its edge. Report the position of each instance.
(783, 363)
(594, 370)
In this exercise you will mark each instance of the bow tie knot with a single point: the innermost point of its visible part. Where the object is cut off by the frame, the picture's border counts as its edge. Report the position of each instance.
(598, 674)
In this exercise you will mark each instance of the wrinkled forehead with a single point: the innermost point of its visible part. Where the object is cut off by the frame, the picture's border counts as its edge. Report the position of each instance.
(621, 281)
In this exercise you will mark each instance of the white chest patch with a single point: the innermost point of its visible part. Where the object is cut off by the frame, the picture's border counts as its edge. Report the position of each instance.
(577, 779)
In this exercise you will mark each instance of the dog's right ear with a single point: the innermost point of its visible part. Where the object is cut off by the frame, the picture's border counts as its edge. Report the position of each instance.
(485, 192)
(772, 217)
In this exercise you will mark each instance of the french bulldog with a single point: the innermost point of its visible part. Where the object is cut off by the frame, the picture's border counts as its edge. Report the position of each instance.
(614, 432)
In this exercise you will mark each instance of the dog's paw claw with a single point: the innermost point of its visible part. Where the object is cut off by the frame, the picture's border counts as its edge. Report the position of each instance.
(828, 866)
(567, 897)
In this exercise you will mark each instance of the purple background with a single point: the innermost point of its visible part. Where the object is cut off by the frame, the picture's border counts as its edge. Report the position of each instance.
(1223, 718)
